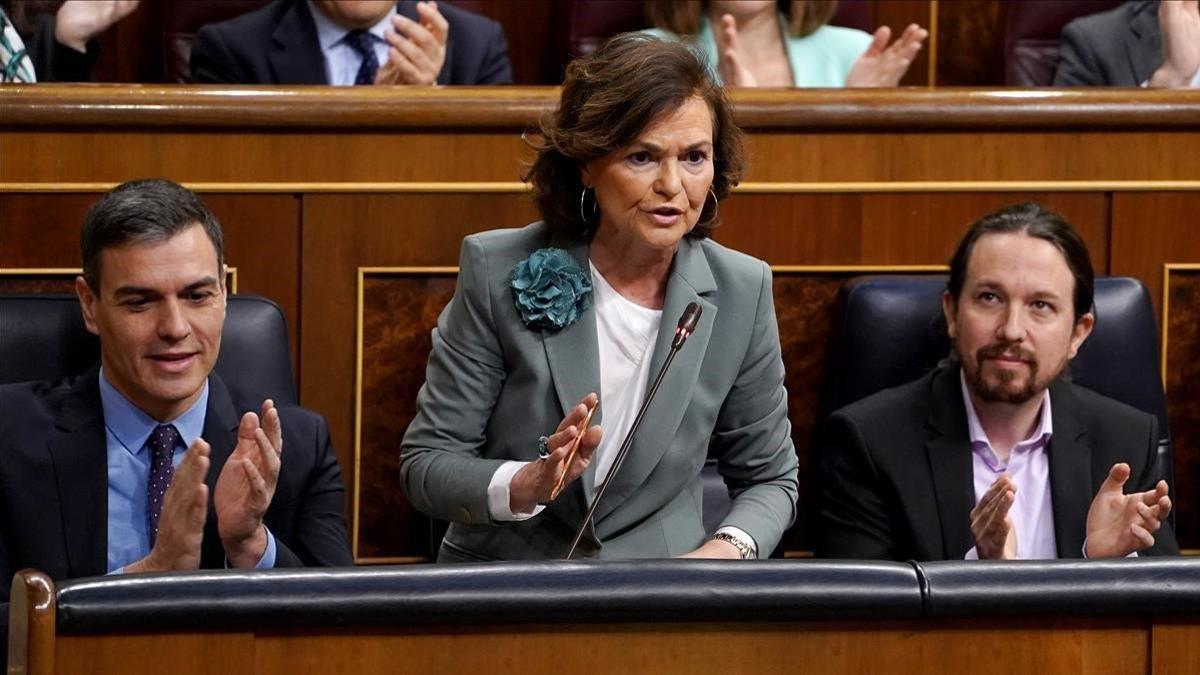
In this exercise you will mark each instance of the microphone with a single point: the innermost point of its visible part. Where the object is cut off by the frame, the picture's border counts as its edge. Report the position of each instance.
(683, 330)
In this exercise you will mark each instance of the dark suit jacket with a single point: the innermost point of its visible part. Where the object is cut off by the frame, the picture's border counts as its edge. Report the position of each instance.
(897, 475)
(1118, 48)
(278, 45)
(54, 482)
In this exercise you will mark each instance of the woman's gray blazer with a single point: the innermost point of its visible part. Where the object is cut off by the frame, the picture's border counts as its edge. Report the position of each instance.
(494, 385)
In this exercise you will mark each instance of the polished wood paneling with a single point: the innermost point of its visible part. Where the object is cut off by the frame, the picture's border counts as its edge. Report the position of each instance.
(1175, 648)
(885, 228)
(970, 43)
(398, 313)
(178, 654)
(262, 240)
(347, 231)
(1182, 379)
(243, 158)
(897, 14)
(982, 156)
(1150, 229)
(1083, 646)
(352, 110)
(41, 230)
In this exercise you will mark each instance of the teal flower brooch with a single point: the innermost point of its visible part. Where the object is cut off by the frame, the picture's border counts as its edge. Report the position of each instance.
(550, 290)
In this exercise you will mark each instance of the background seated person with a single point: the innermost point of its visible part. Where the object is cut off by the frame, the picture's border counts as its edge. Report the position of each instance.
(784, 43)
(996, 455)
(149, 463)
(346, 42)
(37, 47)
(1139, 44)
(627, 178)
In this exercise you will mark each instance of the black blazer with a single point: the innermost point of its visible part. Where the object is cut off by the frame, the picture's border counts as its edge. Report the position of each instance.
(54, 482)
(278, 45)
(897, 476)
(1118, 48)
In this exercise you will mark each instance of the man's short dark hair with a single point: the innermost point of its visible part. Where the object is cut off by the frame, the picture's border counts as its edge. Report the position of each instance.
(143, 212)
(1036, 221)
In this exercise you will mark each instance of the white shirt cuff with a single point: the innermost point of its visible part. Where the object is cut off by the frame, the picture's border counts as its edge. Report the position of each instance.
(499, 496)
(973, 554)
(1085, 555)
(742, 536)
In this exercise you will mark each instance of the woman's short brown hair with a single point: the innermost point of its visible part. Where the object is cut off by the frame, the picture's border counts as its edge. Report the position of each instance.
(608, 99)
(682, 17)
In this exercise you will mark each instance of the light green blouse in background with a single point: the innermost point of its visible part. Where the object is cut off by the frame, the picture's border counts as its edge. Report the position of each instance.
(820, 59)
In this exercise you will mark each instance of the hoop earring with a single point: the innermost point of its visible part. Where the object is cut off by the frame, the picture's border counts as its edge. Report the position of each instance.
(716, 207)
(582, 195)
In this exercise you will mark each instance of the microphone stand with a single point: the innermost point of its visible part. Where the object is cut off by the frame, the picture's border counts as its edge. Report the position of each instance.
(687, 323)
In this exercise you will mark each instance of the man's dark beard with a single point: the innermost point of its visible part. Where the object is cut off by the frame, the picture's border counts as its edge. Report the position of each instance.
(1001, 393)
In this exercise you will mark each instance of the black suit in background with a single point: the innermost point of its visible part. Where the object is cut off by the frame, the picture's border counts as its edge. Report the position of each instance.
(54, 483)
(897, 480)
(1118, 48)
(278, 45)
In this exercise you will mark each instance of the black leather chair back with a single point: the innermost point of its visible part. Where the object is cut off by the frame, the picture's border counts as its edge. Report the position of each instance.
(42, 337)
(892, 332)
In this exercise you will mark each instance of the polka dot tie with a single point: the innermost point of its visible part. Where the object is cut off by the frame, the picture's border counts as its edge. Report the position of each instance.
(363, 42)
(163, 441)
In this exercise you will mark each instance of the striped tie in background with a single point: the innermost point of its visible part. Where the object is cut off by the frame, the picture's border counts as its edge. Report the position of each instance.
(15, 65)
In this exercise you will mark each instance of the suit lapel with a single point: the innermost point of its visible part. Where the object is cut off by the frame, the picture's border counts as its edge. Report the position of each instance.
(79, 455)
(1143, 42)
(295, 52)
(221, 420)
(690, 280)
(573, 355)
(948, 451)
(1070, 472)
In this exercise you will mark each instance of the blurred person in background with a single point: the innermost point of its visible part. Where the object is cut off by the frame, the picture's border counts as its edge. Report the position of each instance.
(58, 47)
(349, 42)
(785, 43)
(1139, 44)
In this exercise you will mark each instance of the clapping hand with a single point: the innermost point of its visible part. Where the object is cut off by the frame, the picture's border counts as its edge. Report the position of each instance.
(1179, 23)
(78, 21)
(416, 51)
(995, 536)
(246, 486)
(181, 522)
(1119, 524)
(882, 65)
(730, 63)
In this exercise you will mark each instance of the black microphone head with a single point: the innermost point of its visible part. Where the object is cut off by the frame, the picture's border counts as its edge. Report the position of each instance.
(690, 316)
(687, 324)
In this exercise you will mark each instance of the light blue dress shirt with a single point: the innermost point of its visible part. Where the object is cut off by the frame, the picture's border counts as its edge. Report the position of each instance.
(126, 430)
(341, 60)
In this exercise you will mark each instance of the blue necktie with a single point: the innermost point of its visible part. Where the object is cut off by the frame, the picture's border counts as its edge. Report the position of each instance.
(163, 441)
(363, 42)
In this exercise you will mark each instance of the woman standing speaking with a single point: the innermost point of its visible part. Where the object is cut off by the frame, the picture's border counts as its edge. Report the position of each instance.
(546, 351)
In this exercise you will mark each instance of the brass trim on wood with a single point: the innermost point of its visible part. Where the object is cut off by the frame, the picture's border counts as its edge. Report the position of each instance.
(95, 108)
(932, 41)
(517, 187)
(76, 271)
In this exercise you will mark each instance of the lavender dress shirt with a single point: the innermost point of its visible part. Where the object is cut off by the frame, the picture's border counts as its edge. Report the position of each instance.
(1032, 512)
